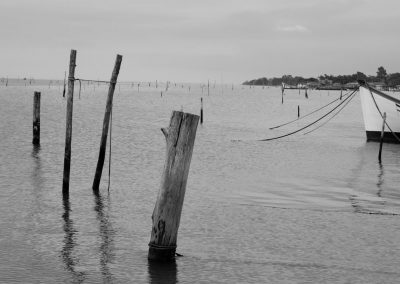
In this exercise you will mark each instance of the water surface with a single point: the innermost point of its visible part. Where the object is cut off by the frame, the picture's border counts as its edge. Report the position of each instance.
(307, 208)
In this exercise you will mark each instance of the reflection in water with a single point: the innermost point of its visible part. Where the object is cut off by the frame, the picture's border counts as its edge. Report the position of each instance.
(162, 272)
(107, 234)
(69, 244)
(380, 180)
(37, 175)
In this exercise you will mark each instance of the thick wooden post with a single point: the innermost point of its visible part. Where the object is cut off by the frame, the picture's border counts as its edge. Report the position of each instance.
(106, 122)
(36, 118)
(180, 136)
(382, 134)
(68, 134)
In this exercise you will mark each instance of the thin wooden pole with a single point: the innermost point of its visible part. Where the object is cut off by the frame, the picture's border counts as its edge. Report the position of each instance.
(180, 136)
(382, 134)
(298, 111)
(201, 111)
(106, 122)
(36, 118)
(68, 134)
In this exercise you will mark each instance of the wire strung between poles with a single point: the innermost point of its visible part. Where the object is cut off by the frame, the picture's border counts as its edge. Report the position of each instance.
(312, 123)
(319, 126)
(289, 122)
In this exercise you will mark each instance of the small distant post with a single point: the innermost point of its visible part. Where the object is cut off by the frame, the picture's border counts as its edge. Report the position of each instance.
(201, 111)
(306, 95)
(68, 134)
(298, 111)
(36, 118)
(341, 91)
(382, 134)
(106, 122)
(180, 136)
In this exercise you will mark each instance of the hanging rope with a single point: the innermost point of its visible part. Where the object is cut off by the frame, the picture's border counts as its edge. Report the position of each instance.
(332, 116)
(310, 124)
(301, 117)
(376, 105)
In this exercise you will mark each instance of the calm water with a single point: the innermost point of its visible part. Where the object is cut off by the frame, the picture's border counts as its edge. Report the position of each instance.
(307, 208)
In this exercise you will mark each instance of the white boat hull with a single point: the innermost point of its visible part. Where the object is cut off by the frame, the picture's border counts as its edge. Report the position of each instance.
(374, 104)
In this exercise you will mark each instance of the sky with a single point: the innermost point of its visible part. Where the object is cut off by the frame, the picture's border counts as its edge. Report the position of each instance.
(227, 41)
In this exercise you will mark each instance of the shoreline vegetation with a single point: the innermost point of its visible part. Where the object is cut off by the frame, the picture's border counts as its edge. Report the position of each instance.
(382, 80)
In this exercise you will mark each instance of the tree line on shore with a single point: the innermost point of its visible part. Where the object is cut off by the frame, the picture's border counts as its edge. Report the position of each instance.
(382, 77)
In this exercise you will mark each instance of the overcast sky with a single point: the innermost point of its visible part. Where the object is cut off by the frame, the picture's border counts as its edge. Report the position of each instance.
(193, 41)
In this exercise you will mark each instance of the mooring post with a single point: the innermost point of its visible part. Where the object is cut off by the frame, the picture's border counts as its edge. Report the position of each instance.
(306, 95)
(382, 134)
(68, 134)
(298, 111)
(201, 111)
(36, 118)
(180, 136)
(341, 91)
(106, 122)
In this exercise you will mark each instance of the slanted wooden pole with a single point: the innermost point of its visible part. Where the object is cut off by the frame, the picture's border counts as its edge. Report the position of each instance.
(180, 136)
(36, 118)
(106, 122)
(201, 111)
(68, 134)
(382, 134)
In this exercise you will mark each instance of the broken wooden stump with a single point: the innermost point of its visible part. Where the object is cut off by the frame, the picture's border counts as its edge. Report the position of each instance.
(180, 136)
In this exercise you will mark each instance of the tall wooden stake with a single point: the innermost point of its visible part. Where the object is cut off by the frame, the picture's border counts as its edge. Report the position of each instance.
(180, 136)
(106, 122)
(382, 134)
(68, 134)
(36, 118)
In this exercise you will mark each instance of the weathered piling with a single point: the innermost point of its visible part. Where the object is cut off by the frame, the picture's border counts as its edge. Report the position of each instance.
(381, 141)
(106, 122)
(341, 91)
(298, 111)
(68, 132)
(305, 94)
(36, 118)
(180, 136)
(201, 111)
